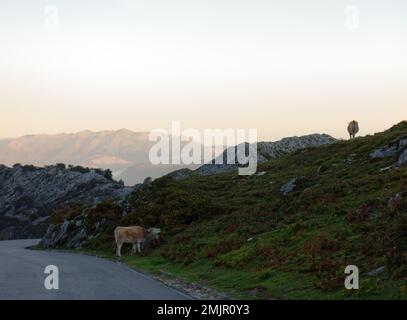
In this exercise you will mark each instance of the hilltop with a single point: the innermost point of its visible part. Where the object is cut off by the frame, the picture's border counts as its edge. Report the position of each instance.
(288, 231)
(265, 151)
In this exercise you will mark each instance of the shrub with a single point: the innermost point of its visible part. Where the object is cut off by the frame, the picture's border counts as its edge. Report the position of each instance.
(61, 166)
(79, 169)
(107, 210)
(61, 214)
(29, 168)
(223, 247)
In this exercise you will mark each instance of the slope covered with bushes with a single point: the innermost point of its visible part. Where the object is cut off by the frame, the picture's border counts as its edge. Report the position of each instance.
(242, 234)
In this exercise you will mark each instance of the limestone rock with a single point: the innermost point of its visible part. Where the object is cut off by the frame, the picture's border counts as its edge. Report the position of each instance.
(29, 194)
(289, 186)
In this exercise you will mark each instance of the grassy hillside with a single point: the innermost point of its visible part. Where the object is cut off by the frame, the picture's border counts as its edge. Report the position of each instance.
(242, 235)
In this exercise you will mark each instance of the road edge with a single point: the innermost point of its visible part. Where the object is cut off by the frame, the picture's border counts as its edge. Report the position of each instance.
(191, 290)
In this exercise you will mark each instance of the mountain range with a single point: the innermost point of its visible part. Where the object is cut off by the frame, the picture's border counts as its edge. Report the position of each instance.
(30, 193)
(124, 152)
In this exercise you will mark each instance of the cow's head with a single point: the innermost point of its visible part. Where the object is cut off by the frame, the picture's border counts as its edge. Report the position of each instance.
(154, 231)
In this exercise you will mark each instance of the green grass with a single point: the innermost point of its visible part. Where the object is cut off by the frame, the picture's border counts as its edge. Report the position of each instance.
(301, 242)
(268, 284)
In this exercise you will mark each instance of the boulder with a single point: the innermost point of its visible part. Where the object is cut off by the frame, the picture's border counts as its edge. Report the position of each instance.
(387, 151)
(390, 150)
(376, 271)
(289, 186)
(54, 235)
(395, 201)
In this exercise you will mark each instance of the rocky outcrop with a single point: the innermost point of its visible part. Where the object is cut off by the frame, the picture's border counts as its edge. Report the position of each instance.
(403, 159)
(91, 221)
(391, 150)
(395, 201)
(71, 233)
(376, 271)
(387, 151)
(272, 150)
(289, 186)
(267, 151)
(29, 194)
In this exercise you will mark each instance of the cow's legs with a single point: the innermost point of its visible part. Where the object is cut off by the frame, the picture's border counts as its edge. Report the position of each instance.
(139, 246)
(119, 249)
(134, 248)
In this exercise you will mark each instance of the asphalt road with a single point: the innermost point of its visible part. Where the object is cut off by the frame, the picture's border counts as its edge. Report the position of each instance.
(80, 276)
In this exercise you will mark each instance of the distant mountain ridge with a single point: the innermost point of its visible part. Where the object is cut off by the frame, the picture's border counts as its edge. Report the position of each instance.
(123, 151)
(76, 148)
(126, 153)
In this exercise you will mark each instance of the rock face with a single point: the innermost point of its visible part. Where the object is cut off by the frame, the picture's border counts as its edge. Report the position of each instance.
(387, 151)
(272, 150)
(267, 151)
(391, 150)
(403, 159)
(74, 233)
(71, 233)
(29, 194)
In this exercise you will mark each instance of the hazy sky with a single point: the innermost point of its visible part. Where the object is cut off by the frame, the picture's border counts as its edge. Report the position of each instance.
(284, 67)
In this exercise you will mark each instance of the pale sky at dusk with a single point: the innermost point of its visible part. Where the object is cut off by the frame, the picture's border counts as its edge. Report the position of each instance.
(284, 67)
